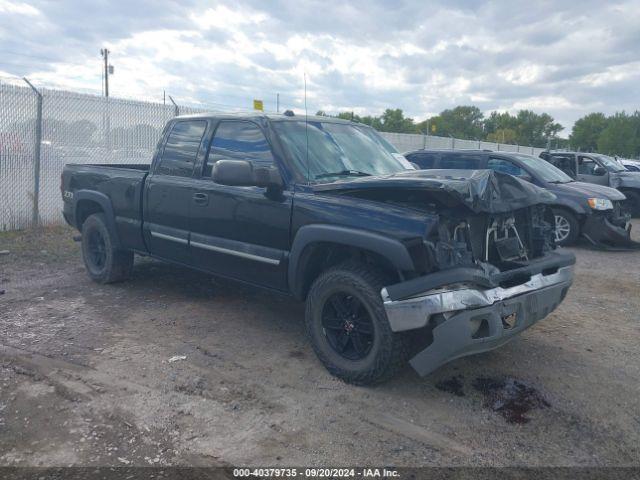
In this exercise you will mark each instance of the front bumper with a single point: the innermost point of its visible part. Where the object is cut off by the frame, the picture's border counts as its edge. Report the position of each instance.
(609, 231)
(470, 320)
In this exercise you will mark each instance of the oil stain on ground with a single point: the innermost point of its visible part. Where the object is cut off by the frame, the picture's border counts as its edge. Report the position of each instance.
(509, 397)
(452, 385)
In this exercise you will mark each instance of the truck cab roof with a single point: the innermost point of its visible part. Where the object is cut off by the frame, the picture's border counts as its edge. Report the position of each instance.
(272, 117)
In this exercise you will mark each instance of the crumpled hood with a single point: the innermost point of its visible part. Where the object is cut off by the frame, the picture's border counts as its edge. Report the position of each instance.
(479, 190)
(593, 190)
(624, 179)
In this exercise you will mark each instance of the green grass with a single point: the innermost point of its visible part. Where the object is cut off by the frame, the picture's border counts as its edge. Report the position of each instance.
(45, 244)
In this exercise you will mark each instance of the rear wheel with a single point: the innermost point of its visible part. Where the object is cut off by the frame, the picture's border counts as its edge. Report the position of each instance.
(567, 227)
(348, 326)
(103, 261)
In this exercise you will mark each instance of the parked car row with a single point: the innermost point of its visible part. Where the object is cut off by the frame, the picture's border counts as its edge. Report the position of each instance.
(393, 264)
(601, 170)
(629, 164)
(591, 210)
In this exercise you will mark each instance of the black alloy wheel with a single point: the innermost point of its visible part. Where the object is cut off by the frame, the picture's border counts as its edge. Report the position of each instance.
(96, 249)
(348, 326)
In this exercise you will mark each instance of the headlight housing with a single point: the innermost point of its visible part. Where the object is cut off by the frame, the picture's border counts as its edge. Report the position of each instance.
(600, 203)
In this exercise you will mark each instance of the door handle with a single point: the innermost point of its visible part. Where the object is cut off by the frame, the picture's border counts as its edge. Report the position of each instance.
(201, 198)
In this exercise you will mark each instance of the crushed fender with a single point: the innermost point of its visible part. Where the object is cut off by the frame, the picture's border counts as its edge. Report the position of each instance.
(479, 190)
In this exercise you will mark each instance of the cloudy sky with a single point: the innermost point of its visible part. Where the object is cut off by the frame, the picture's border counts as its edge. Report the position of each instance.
(563, 57)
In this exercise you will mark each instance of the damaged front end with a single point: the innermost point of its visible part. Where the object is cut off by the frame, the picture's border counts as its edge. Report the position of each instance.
(486, 268)
(487, 276)
(610, 229)
(496, 276)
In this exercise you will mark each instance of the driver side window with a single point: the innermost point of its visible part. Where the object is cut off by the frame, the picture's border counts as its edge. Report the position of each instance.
(238, 140)
(586, 165)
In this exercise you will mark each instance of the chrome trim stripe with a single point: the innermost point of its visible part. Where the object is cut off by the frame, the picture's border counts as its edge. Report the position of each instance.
(415, 312)
(237, 253)
(171, 238)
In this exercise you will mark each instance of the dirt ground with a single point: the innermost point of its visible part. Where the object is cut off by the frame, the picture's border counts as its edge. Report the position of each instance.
(86, 376)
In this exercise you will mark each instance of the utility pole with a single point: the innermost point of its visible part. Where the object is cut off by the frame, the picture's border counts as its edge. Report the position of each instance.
(107, 69)
(277, 103)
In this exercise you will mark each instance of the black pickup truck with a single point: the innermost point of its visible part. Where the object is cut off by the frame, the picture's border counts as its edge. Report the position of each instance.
(394, 264)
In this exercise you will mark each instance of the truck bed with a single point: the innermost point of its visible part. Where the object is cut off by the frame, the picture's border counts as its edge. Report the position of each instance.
(119, 185)
(120, 166)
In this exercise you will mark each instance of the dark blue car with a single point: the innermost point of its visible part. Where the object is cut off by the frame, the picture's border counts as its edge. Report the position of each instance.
(593, 211)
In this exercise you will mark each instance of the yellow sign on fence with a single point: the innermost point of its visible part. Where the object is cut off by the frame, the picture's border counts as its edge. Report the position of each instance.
(257, 105)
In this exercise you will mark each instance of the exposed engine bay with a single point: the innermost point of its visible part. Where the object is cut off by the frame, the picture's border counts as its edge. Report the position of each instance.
(497, 242)
(486, 220)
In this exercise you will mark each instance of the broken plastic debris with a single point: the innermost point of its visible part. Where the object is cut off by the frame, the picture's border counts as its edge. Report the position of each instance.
(176, 358)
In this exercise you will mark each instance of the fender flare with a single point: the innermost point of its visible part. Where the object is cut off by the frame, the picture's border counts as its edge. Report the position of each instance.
(391, 249)
(104, 202)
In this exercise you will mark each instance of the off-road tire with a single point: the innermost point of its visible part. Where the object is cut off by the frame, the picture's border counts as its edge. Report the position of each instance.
(117, 264)
(388, 352)
(574, 227)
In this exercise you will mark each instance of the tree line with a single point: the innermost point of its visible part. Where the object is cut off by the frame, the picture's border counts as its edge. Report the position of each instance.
(618, 134)
(468, 122)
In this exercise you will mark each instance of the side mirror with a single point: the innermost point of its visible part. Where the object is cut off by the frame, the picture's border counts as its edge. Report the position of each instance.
(242, 173)
(598, 170)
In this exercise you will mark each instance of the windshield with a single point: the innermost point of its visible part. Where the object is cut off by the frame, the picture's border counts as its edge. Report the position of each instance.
(336, 149)
(376, 137)
(609, 163)
(544, 170)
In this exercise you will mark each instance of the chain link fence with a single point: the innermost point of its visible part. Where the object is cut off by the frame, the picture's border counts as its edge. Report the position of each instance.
(85, 128)
(18, 109)
(74, 128)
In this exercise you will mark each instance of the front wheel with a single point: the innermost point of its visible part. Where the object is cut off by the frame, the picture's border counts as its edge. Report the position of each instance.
(348, 326)
(104, 262)
(567, 227)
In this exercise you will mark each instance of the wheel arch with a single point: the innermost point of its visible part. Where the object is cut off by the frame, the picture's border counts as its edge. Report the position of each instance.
(318, 247)
(571, 215)
(87, 203)
(579, 214)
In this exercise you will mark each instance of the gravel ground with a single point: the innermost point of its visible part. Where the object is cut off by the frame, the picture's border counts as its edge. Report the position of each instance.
(176, 368)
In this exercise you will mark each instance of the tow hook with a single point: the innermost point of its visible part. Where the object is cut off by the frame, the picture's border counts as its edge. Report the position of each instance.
(509, 321)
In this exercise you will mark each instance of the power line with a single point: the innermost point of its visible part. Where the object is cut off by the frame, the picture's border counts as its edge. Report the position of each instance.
(11, 64)
(20, 54)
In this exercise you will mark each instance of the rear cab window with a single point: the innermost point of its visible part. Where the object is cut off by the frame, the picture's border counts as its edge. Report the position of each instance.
(453, 161)
(181, 149)
(239, 140)
(424, 160)
(566, 163)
